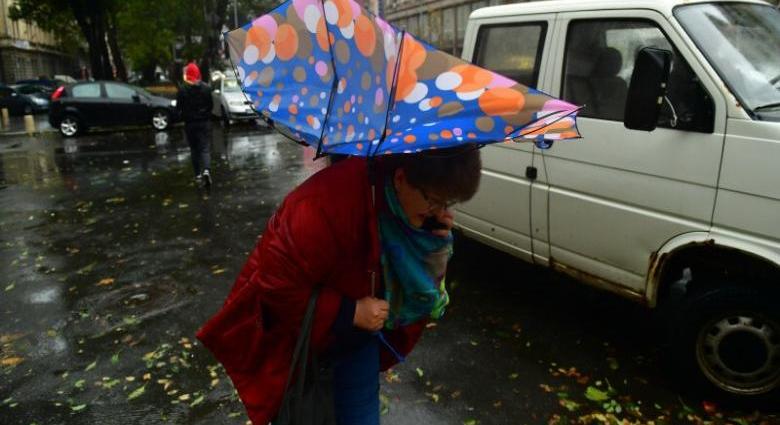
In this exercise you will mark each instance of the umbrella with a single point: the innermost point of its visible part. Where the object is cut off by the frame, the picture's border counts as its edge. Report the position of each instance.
(331, 75)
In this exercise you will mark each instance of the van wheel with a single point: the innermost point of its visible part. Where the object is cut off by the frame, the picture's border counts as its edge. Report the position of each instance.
(729, 343)
(70, 126)
(160, 120)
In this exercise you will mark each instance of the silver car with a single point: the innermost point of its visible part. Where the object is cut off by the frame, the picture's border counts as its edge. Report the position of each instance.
(230, 103)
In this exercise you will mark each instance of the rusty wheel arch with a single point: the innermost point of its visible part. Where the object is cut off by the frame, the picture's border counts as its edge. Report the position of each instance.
(711, 265)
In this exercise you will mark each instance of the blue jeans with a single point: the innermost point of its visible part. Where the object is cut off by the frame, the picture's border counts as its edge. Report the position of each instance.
(356, 385)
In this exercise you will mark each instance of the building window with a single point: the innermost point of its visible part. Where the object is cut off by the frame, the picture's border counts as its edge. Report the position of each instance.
(424, 26)
(463, 18)
(435, 29)
(448, 29)
(412, 28)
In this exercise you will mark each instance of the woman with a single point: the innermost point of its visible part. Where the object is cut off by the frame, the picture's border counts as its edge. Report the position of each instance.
(327, 232)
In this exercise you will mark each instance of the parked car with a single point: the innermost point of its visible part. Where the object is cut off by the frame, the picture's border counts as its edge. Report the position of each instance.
(230, 103)
(671, 198)
(77, 107)
(23, 99)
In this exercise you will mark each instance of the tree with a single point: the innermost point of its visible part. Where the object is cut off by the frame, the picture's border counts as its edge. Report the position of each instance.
(92, 17)
(147, 33)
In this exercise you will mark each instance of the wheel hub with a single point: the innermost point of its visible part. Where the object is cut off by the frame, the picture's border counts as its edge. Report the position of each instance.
(159, 120)
(740, 353)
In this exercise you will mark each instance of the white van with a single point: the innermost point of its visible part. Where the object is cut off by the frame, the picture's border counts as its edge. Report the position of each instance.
(670, 200)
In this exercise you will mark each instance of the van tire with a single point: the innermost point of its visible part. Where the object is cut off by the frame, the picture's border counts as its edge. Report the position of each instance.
(726, 344)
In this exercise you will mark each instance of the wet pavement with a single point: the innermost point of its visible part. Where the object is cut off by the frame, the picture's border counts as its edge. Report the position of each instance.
(111, 258)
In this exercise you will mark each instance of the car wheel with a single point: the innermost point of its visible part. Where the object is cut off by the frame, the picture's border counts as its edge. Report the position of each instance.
(160, 120)
(225, 117)
(729, 343)
(70, 126)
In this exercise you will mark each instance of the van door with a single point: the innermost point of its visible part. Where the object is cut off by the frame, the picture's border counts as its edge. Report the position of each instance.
(617, 195)
(499, 214)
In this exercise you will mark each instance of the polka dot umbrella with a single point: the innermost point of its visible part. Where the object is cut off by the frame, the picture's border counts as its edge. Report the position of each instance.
(331, 75)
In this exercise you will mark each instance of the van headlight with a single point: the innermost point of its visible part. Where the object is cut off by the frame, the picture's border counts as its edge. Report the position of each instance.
(236, 103)
(173, 103)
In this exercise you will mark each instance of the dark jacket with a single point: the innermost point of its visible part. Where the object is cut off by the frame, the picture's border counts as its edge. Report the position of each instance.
(325, 232)
(193, 102)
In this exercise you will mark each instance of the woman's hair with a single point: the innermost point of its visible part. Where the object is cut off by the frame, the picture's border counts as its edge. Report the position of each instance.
(452, 173)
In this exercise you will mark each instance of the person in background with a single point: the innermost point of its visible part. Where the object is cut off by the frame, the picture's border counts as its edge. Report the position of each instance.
(193, 103)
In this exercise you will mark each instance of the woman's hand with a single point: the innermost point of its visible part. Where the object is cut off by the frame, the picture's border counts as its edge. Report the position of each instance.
(447, 220)
(370, 313)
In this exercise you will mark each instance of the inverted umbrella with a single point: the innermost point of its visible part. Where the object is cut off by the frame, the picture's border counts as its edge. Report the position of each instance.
(331, 75)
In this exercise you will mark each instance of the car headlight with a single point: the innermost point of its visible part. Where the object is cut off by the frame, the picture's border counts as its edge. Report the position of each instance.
(236, 103)
(173, 103)
(39, 101)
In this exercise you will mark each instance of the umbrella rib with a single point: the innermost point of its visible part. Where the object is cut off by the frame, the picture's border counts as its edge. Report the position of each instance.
(568, 114)
(333, 87)
(391, 99)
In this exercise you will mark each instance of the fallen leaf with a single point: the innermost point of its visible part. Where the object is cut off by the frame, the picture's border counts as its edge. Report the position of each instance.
(420, 372)
(218, 271)
(595, 394)
(11, 361)
(106, 281)
(78, 408)
(137, 393)
(197, 401)
(90, 366)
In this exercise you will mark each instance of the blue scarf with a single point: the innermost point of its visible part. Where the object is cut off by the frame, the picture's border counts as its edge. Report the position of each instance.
(414, 262)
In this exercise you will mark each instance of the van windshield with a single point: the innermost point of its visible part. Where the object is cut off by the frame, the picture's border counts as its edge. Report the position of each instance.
(231, 85)
(741, 41)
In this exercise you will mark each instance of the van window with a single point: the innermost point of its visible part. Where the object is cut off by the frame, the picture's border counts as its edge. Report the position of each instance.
(599, 61)
(512, 50)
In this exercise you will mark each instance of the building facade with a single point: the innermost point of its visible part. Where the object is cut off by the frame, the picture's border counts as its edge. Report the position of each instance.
(441, 23)
(27, 52)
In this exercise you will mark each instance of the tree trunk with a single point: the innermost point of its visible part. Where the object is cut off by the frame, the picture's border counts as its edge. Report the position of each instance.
(90, 18)
(215, 20)
(116, 54)
(148, 73)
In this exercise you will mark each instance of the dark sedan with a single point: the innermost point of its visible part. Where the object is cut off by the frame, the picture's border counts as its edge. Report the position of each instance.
(77, 107)
(22, 100)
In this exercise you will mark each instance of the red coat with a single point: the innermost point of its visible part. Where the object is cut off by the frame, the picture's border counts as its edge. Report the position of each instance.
(325, 232)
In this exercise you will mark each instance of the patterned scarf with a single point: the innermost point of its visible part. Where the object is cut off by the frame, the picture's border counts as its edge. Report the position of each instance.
(414, 262)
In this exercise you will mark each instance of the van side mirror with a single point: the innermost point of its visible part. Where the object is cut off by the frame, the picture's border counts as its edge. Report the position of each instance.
(136, 98)
(647, 89)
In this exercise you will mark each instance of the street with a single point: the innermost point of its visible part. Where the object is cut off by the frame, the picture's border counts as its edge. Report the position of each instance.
(111, 258)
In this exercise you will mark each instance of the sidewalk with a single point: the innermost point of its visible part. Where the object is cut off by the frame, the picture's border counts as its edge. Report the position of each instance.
(16, 125)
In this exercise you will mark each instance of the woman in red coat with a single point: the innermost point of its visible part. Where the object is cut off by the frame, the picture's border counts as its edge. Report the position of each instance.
(376, 238)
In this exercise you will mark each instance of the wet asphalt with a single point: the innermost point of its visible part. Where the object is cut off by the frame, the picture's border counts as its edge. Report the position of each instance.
(111, 258)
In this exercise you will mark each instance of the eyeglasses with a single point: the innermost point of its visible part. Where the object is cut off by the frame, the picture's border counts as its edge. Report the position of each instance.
(436, 204)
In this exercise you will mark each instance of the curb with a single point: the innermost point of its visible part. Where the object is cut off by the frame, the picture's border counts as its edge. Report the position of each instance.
(24, 133)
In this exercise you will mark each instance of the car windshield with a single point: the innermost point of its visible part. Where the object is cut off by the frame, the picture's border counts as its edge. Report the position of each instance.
(741, 40)
(231, 85)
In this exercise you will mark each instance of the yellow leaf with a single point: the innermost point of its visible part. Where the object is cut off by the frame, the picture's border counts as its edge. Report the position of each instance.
(106, 281)
(11, 361)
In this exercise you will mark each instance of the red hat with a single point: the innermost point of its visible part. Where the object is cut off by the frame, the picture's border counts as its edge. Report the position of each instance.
(191, 73)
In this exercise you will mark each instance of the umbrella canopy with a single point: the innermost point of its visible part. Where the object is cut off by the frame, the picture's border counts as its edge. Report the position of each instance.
(331, 75)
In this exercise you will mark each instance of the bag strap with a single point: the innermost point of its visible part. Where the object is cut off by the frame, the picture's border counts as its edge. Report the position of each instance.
(302, 345)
